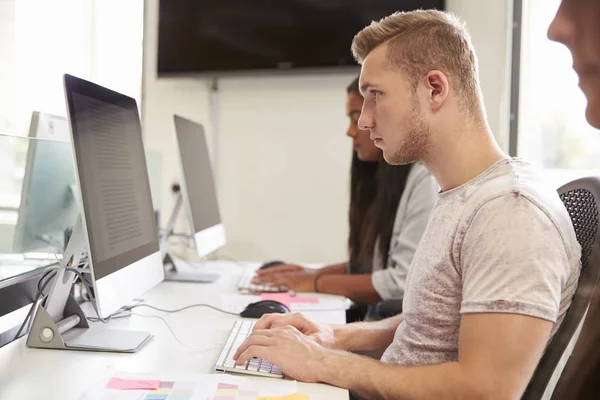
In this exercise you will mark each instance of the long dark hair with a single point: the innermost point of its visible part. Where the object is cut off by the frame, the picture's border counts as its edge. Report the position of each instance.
(375, 191)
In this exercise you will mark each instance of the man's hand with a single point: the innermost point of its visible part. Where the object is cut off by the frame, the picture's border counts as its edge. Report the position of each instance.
(320, 333)
(298, 356)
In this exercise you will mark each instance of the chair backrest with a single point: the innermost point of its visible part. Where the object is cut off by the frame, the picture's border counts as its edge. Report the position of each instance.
(582, 200)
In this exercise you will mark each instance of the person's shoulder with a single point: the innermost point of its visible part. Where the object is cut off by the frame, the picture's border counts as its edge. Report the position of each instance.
(421, 186)
(420, 176)
(419, 172)
(511, 176)
(519, 190)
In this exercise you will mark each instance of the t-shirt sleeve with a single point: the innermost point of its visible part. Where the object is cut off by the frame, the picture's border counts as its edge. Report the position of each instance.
(513, 260)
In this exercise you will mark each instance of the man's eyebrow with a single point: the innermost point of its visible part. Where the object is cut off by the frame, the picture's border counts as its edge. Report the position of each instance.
(364, 87)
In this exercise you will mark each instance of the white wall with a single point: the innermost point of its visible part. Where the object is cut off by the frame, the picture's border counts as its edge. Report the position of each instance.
(489, 24)
(281, 155)
(7, 64)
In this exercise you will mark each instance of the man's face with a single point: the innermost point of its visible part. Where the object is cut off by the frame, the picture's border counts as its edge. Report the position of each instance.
(577, 26)
(362, 144)
(391, 111)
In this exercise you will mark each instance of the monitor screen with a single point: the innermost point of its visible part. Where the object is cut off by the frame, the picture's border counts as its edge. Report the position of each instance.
(113, 177)
(206, 36)
(198, 188)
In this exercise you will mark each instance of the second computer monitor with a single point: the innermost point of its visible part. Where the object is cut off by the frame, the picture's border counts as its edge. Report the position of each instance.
(48, 208)
(198, 187)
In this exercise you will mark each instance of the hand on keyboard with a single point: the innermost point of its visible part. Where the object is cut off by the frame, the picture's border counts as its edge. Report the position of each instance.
(297, 355)
(298, 281)
(245, 285)
(321, 333)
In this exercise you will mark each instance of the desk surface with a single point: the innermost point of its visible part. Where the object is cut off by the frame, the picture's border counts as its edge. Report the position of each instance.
(34, 373)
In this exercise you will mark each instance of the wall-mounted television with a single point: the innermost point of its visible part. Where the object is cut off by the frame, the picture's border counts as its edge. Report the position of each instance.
(233, 36)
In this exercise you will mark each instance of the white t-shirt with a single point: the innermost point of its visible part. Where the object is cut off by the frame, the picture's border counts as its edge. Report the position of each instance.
(503, 242)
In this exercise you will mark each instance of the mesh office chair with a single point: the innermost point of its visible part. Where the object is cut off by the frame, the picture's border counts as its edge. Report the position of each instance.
(582, 200)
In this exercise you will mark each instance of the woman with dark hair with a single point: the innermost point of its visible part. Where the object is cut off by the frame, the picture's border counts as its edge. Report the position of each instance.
(389, 210)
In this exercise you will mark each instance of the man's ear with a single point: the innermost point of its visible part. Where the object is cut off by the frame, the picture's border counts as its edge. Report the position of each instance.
(438, 87)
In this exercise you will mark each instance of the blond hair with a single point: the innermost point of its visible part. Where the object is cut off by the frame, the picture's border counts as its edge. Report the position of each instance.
(422, 41)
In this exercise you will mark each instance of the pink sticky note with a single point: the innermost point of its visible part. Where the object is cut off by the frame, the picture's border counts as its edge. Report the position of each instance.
(132, 384)
(283, 298)
(222, 385)
(310, 300)
(287, 300)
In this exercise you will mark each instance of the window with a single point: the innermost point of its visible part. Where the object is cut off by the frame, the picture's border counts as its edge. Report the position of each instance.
(40, 40)
(553, 131)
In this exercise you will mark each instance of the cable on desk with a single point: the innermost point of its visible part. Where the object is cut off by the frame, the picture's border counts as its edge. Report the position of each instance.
(203, 348)
(47, 276)
(184, 308)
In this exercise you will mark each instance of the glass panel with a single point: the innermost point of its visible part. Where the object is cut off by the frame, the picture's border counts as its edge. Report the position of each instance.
(38, 202)
(553, 131)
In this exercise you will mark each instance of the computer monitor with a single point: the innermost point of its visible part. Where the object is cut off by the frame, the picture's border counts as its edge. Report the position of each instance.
(115, 229)
(48, 126)
(118, 217)
(198, 190)
(48, 207)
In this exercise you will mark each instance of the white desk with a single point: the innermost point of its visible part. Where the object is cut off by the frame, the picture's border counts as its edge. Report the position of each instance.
(66, 375)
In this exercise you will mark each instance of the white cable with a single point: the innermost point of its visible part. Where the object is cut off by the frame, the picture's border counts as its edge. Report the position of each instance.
(203, 348)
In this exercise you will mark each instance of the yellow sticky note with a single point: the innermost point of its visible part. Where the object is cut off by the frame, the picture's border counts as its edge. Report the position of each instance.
(226, 392)
(160, 391)
(293, 396)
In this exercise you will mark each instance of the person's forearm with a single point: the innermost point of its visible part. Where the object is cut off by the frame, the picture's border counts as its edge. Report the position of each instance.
(333, 269)
(366, 337)
(372, 379)
(358, 288)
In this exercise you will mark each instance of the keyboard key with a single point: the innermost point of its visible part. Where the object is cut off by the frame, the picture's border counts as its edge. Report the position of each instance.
(240, 331)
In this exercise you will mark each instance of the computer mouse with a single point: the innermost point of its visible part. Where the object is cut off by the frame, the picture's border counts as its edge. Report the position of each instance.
(260, 308)
(271, 264)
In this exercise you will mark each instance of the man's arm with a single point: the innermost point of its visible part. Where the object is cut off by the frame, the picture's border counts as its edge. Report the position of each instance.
(367, 337)
(497, 356)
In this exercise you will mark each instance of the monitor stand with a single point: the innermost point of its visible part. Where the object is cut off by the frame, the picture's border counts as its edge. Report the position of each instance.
(59, 321)
(173, 274)
(169, 263)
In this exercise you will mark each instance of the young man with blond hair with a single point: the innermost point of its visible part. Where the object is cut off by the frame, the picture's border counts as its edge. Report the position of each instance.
(497, 265)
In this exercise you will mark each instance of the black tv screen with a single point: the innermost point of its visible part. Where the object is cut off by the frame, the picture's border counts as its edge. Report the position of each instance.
(212, 36)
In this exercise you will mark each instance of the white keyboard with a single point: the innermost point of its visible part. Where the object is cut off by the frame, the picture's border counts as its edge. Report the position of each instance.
(245, 285)
(255, 366)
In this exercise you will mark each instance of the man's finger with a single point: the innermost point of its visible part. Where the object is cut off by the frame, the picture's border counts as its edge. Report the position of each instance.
(296, 320)
(256, 339)
(266, 321)
(254, 352)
